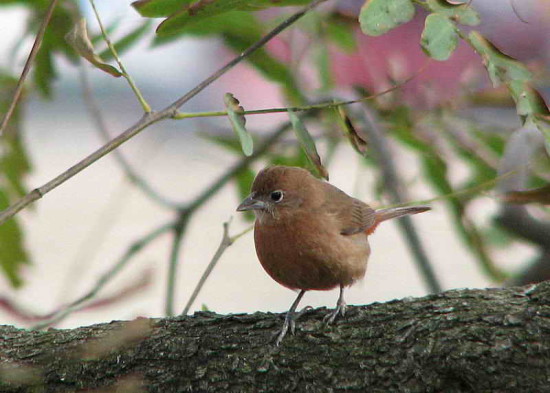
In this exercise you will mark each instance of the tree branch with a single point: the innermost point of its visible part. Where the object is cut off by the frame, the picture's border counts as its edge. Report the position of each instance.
(493, 340)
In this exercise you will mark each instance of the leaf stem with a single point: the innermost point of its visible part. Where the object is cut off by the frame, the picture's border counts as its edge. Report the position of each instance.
(144, 104)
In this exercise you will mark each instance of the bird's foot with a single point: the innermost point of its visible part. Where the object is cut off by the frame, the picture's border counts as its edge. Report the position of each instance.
(290, 324)
(340, 309)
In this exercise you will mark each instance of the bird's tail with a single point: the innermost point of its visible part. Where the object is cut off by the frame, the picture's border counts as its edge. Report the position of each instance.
(394, 212)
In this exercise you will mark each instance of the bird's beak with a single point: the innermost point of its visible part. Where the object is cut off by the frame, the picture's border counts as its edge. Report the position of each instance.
(251, 204)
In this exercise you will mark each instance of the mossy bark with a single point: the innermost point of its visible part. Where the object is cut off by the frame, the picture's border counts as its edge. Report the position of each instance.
(495, 340)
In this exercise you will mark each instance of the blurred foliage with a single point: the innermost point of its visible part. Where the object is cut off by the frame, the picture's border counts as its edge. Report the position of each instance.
(238, 25)
(14, 165)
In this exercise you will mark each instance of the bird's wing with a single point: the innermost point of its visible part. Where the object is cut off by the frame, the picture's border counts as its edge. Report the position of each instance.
(353, 215)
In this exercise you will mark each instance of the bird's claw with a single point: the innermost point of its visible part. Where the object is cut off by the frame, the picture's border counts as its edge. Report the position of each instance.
(290, 324)
(331, 317)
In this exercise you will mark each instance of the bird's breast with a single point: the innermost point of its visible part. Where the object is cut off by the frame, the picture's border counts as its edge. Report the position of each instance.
(307, 251)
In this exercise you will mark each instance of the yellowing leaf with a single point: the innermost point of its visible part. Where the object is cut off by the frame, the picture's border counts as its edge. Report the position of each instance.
(79, 40)
(357, 142)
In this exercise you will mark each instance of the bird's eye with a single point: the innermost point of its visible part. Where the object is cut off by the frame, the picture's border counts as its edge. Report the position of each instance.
(276, 196)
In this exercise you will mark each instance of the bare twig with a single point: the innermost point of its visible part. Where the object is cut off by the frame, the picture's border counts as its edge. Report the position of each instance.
(225, 243)
(101, 126)
(23, 314)
(136, 247)
(28, 64)
(146, 120)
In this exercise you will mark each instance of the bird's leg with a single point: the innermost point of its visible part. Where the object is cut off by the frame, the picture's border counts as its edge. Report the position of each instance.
(340, 308)
(289, 319)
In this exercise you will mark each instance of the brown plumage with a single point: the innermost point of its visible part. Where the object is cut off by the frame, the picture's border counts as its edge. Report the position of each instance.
(310, 235)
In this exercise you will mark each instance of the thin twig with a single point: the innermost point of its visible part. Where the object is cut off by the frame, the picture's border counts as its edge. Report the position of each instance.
(101, 125)
(136, 247)
(146, 107)
(28, 64)
(146, 120)
(304, 108)
(179, 232)
(225, 243)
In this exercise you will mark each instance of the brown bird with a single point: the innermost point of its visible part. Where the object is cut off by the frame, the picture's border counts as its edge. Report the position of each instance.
(310, 235)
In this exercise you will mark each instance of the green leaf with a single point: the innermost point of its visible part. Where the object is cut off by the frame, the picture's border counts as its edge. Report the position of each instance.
(12, 253)
(14, 165)
(79, 40)
(439, 38)
(528, 100)
(380, 16)
(460, 13)
(127, 41)
(181, 14)
(159, 8)
(238, 122)
(307, 143)
(501, 67)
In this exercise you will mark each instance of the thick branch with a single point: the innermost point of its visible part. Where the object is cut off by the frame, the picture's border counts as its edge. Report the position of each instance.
(457, 341)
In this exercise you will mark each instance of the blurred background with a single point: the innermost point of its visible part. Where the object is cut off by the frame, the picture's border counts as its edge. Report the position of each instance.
(449, 132)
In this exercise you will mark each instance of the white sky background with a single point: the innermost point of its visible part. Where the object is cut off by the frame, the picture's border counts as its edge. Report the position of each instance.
(179, 163)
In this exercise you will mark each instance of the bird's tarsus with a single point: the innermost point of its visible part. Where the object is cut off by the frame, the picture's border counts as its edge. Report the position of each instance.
(340, 309)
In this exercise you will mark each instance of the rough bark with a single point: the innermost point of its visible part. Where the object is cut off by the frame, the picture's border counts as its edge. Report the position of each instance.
(495, 340)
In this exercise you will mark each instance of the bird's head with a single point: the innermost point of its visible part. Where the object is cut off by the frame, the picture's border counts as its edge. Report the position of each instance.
(279, 190)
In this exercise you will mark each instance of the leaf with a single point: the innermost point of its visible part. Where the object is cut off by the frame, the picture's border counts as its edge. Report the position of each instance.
(184, 13)
(307, 143)
(12, 253)
(357, 142)
(501, 67)
(159, 8)
(14, 165)
(234, 112)
(528, 100)
(460, 13)
(127, 41)
(79, 40)
(537, 195)
(380, 16)
(439, 38)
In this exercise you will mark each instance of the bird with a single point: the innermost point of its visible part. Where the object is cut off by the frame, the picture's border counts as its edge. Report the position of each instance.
(310, 235)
